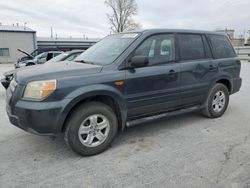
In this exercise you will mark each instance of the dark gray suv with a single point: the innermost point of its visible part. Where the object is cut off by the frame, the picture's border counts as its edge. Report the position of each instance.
(123, 78)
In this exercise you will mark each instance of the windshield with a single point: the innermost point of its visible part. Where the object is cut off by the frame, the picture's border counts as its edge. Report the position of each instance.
(34, 53)
(108, 49)
(58, 58)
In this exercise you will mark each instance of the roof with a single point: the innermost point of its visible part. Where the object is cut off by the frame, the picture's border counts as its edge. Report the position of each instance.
(10, 28)
(177, 31)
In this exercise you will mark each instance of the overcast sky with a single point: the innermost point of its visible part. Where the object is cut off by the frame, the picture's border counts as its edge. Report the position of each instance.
(78, 17)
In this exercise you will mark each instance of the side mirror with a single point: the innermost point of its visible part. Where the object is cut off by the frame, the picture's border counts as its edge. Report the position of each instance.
(138, 61)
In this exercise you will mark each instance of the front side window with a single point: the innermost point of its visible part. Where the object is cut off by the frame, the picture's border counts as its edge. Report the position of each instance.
(191, 47)
(4, 52)
(222, 47)
(158, 48)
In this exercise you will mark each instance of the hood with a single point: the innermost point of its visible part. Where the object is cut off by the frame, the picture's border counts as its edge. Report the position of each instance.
(27, 61)
(55, 71)
(26, 53)
(11, 72)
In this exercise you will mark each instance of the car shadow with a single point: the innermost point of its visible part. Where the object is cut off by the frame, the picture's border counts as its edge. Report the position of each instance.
(156, 126)
(58, 148)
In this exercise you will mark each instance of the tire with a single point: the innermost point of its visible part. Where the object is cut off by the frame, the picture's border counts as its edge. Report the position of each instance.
(215, 105)
(86, 123)
(30, 64)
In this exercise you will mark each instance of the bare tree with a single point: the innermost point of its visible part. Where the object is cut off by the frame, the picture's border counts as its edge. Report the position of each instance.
(121, 16)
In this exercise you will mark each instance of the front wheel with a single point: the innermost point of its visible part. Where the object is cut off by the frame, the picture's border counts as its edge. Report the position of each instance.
(91, 128)
(217, 101)
(30, 64)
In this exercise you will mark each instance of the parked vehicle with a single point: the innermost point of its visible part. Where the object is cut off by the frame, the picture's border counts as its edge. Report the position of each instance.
(66, 56)
(35, 53)
(123, 78)
(39, 59)
(8, 76)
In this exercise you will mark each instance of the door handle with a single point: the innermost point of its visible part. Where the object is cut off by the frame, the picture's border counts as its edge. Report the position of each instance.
(171, 72)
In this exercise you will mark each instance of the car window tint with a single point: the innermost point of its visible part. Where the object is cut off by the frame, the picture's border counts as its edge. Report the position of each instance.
(222, 47)
(191, 47)
(158, 48)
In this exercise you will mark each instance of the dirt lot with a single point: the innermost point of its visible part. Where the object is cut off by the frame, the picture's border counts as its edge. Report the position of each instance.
(183, 151)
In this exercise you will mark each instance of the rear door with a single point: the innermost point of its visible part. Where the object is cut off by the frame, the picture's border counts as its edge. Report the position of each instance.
(225, 56)
(154, 88)
(197, 68)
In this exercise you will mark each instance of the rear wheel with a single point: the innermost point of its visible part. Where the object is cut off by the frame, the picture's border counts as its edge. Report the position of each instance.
(91, 128)
(217, 101)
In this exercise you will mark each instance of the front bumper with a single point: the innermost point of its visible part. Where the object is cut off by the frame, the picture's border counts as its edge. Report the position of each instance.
(14, 120)
(41, 118)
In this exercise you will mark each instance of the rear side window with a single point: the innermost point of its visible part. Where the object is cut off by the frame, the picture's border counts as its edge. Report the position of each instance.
(191, 47)
(222, 47)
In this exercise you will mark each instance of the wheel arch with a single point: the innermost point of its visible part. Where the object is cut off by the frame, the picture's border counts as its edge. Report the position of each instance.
(226, 82)
(110, 97)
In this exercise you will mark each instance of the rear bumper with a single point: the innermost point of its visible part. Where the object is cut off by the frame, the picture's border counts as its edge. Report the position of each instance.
(236, 85)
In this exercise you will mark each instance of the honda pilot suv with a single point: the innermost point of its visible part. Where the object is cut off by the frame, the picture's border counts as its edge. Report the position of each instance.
(123, 78)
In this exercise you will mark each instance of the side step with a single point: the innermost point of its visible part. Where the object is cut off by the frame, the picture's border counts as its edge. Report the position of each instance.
(162, 115)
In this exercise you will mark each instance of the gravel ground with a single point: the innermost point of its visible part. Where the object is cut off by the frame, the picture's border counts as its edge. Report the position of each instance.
(183, 151)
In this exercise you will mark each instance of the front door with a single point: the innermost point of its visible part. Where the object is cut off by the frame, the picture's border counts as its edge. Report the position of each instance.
(154, 88)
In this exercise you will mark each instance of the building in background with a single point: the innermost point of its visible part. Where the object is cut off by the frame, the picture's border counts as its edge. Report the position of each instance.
(13, 38)
(248, 40)
(241, 45)
(65, 44)
(19, 37)
(236, 41)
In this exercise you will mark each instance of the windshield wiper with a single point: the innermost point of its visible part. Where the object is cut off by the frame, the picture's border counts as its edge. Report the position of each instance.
(82, 61)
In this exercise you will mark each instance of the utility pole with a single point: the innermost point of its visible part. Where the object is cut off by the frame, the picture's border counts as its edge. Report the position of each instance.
(248, 38)
(51, 32)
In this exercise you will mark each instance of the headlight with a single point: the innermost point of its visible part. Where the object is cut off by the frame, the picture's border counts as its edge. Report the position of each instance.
(39, 89)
